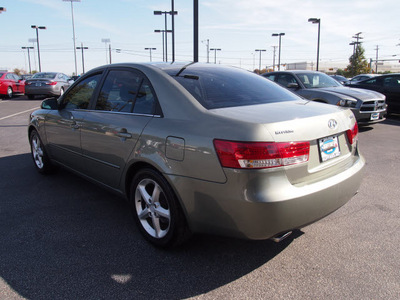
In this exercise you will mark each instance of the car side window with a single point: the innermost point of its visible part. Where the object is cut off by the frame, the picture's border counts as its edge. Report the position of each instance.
(79, 96)
(391, 81)
(371, 81)
(145, 100)
(270, 77)
(285, 79)
(119, 91)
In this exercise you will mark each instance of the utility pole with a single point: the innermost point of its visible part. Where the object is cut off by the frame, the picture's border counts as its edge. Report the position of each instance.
(83, 58)
(195, 30)
(376, 61)
(273, 58)
(358, 38)
(29, 58)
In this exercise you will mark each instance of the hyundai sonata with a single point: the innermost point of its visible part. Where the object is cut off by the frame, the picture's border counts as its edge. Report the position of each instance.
(201, 148)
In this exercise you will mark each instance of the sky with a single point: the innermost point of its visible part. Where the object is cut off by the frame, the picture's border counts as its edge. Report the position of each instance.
(237, 27)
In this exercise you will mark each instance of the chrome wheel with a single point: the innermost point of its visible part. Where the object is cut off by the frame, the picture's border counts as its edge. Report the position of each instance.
(152, 208)
(9, 92)
(37, 151)
(61, 91)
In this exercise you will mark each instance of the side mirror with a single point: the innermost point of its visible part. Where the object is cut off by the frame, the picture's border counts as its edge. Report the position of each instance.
(50, 103)
(293, 85)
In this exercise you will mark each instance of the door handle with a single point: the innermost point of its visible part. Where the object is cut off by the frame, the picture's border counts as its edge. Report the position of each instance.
(124, 134)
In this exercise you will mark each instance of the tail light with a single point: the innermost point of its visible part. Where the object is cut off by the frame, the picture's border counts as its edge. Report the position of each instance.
(352, 134)
(51, 83)
(260, 155)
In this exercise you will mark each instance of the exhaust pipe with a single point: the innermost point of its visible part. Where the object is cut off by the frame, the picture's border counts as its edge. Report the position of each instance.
(281, 237)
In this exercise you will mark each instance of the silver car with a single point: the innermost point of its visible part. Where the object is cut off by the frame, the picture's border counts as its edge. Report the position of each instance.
(369, 107)
(47, 84)
(201, 148)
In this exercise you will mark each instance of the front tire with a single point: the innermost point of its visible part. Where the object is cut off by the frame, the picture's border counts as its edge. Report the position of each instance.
(39, 155)
(9, 92)
(156, 210)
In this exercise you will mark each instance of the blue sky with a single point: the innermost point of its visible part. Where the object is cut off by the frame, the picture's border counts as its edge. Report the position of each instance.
(237, 27)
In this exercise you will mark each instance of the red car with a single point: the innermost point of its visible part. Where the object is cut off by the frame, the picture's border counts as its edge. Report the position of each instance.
(11, 84)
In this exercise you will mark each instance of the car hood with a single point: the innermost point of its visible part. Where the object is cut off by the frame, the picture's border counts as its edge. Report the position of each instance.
(359, 94)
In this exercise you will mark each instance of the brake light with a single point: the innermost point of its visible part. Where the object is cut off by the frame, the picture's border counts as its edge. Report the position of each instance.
(352, 134)
(51, 83)
(260, 155)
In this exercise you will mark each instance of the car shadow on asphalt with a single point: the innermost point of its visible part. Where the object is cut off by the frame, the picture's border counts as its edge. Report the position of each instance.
(63, 237)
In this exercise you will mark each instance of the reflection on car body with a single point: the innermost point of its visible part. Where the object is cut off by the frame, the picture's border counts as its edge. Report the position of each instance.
(201, 148)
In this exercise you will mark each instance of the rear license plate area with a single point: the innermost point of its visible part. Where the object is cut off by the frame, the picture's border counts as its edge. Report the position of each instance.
(328, 148)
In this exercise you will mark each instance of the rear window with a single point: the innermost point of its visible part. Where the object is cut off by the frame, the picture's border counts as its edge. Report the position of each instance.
(44, 75)
(229, 87)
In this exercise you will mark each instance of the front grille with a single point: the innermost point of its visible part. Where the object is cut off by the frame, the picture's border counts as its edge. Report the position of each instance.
(373, 105)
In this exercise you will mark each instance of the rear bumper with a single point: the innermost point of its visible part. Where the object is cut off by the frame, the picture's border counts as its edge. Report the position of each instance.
(262, 206)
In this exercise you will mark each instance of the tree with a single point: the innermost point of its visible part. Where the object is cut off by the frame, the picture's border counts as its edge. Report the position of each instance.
(358, 63)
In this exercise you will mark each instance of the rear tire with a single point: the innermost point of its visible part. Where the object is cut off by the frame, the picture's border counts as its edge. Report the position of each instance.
(39, 155)
(156, 210)
(31, 97)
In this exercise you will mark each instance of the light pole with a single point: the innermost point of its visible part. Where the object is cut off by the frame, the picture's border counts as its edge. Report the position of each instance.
(215, 53)
(316, 21)
(150, 49)
(259, 66)
(37, 41)
(165, 13)
(279, 54)
(273, 58)
(73, 30)
(163, 32)
(83, 59)
(106, 41)
(29, 58)
(195, 30)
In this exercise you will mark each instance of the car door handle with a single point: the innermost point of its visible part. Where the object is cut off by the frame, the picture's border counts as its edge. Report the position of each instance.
(124, 134)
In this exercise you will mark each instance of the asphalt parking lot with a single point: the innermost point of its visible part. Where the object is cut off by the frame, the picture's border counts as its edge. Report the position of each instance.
(64, 238)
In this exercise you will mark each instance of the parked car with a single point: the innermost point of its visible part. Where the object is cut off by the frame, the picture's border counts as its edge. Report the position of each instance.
(201, 148)
(46, 84)
(359, 78)
(368, 106)
(341, 79)
(11, 84)
(389, 85)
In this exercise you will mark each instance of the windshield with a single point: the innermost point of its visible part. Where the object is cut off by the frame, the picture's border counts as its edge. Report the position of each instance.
(45, 75)
(216, 87)
(317, 80)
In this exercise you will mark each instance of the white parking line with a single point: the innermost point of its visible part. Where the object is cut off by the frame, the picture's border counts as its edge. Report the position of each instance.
(22, 112)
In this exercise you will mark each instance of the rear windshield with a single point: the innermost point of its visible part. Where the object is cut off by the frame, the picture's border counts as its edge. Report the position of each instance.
(44, 75)
(229, 87)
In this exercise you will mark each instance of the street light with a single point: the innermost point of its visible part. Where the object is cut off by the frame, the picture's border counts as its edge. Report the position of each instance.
(316, 21)
(165, 13)
(83, 59)
(260, 50)
(73, 30)
(37, 41)
(279, 55)
(164, 32)
(215, 53)
(150, 49)
(29, 58)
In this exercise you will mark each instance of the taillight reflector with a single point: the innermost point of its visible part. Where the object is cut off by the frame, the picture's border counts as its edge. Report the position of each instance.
(260, 155)
(352, 134)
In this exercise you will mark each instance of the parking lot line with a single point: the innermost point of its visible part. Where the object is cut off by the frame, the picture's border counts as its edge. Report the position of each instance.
(22, 112)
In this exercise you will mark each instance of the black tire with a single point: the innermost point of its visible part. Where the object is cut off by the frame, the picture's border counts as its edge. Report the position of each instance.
(9, 92)
(39, 155)
(31, 97)
(156, 210)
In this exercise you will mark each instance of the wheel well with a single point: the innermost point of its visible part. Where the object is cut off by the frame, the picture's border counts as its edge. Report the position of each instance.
(133, 169)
